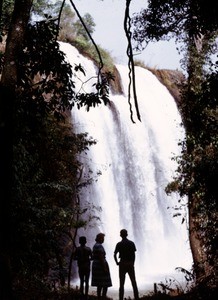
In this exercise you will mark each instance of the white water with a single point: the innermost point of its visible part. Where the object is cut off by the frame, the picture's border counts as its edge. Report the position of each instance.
(136, 165)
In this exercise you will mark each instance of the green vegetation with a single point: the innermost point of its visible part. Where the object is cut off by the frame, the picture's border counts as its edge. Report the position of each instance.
(87, 49)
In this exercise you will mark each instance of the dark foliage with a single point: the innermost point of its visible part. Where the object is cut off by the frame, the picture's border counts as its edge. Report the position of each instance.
(171, 18)
(45, 76)
(199, 163)
(44, 208)
(6, 8)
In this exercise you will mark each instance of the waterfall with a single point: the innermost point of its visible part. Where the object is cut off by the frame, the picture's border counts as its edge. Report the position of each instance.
(135, 161)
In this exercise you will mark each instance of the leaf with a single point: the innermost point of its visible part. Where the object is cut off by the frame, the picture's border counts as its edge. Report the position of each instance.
(79, 68)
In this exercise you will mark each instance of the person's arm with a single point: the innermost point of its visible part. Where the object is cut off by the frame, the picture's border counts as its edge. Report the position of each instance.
(101, 257)
(75, 254)
(115, 256)
(90, 255)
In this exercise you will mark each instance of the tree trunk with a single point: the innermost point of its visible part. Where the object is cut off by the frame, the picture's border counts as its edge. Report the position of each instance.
(8, 85)
(195, 74)
(20, 18)
(199, 255)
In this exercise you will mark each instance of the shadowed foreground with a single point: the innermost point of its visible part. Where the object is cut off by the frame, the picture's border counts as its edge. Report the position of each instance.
(74, 295)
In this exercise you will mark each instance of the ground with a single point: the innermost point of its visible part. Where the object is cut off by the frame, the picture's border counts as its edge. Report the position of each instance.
(74, 295)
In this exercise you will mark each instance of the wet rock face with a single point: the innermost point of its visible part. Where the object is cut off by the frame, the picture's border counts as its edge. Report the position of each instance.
(173, 80)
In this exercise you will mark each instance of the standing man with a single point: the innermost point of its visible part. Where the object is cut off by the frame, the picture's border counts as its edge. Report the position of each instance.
(83, 255)
(126, 250)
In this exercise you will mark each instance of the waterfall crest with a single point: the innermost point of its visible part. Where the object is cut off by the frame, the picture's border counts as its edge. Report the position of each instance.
(136, 165)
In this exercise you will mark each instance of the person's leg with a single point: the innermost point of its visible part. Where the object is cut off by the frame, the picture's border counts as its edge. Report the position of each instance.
(122, 274)
(104, 293)
(81, 277)
(87, 283)
(131, 272)
(99, 289)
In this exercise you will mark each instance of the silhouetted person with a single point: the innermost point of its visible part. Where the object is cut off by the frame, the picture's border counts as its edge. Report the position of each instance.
(126, 250)
(100, 269)
(83, 255)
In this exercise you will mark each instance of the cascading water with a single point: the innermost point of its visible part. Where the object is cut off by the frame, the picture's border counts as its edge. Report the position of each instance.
(135, 160)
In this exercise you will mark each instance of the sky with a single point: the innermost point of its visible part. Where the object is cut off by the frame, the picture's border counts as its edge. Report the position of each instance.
(108, 16)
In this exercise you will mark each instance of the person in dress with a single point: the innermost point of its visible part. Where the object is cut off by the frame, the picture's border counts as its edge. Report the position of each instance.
(83, 255)
(100, 269)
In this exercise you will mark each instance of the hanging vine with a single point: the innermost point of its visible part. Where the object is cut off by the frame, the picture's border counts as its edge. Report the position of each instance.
(129, 52)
